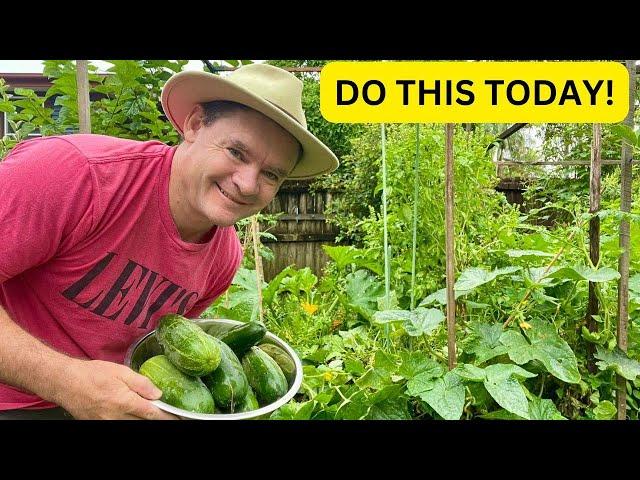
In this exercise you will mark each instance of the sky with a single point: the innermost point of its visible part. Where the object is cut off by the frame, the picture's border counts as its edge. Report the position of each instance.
(35, 66)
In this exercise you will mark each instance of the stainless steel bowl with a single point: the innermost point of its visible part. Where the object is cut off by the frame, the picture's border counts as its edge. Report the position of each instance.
(147, 347)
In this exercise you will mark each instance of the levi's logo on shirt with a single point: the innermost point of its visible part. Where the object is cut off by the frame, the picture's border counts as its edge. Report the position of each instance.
(135, 291)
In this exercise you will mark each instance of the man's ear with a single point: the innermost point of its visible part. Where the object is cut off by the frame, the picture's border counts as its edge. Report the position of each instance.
(193, 122)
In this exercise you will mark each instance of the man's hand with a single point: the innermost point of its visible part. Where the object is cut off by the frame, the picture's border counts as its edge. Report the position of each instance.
(95, 389)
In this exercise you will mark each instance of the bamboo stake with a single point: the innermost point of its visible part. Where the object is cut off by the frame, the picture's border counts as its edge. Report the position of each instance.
(258, 260)
(594, 237)
(387, 267)
(449, 248)
(415, 218)
(82, 81)
(623, 261)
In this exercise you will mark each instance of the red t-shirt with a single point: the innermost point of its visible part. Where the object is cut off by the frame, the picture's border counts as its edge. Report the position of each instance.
(90, 257)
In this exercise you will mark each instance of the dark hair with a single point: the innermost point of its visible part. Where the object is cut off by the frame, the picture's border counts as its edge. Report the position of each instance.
(221, 108)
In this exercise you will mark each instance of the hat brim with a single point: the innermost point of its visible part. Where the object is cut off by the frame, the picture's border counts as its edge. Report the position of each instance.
(185, 90)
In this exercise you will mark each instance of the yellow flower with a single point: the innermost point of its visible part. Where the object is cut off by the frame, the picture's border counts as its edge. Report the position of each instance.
(328, 376)
(310, 308)
(524, 325)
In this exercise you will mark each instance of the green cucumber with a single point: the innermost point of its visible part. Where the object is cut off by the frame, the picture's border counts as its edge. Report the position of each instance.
(249, 403)
(243, 337)
(228, 383)
(178, 389)
(187, 346)
(264, 375)
(283, 360)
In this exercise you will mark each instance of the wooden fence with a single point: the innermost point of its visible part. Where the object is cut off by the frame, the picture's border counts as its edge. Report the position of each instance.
(301, 230)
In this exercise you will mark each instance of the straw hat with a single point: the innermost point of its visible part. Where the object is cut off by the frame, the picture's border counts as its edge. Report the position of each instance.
(270, 90)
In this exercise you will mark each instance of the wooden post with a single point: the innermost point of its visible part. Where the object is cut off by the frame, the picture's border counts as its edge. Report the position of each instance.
(449, 247)
(594, 237)
(82, 80)
(258, 260)
(623, 262)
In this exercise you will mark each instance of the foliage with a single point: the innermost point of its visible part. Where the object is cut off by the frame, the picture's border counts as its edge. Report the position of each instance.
(125, 102)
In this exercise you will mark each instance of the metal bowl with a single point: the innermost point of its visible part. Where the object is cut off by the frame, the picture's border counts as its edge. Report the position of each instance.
(147, 347)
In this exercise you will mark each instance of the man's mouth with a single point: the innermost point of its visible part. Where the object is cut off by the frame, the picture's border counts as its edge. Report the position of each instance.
(229, 197)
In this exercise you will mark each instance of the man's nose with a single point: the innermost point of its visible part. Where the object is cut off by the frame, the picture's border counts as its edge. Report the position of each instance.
(246, 180)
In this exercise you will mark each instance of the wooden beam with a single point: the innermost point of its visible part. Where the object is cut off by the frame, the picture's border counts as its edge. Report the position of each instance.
(82, 80)
(586, 163)
(594, 239)
(449, 247)
(623, 261)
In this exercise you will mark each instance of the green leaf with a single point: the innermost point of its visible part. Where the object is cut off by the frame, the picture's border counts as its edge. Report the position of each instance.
(343, 256)
(354, 366)
(605, 410)
(469, 279)
(579, 272)
(505, 389)
(386, 393)
(6, 106)
(362, 290)
(390, 409)
(423, 321)
(470, 372)
(23, 92)
(392, 316)
(544, 409)
(617, 361)
(501, 414)
(474, 277)
(305, 410)
(517, 347)
(380, 375)
(485, 343)
(527, 253)
(285, 412)
(439, 296)
(537, 274)
(446, 396)
(269, 292)
(421, 383)
(624, 132)
(415, 363)
(355, 409)
(546, 346)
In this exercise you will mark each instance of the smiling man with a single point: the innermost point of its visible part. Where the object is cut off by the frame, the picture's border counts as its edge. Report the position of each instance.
(100, 237)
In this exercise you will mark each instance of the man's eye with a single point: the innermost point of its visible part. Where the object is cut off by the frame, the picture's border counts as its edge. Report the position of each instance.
(271, 176)
(235, 153)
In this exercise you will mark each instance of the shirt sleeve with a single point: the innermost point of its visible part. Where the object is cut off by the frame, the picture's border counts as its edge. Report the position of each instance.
(46, 206)
(223, 281)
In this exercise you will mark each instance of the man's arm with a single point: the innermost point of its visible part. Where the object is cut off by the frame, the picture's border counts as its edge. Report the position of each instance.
(88, 389)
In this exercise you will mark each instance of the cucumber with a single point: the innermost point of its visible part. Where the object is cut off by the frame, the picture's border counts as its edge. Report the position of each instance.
(249, 403)
(228, 383)
(178, 389)
(264, 375)
(283, 360)
(187, 346)
(243, 337)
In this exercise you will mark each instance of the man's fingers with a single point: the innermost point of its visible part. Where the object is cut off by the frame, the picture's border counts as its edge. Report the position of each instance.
(142, 385)
(144, 409)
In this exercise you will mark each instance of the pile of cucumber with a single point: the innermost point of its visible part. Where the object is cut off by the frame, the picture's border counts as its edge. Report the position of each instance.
(227, 372)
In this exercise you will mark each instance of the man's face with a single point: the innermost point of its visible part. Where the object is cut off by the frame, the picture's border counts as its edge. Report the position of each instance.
(236, 165)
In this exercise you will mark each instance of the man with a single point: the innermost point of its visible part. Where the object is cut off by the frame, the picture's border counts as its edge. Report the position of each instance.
(99, 236)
